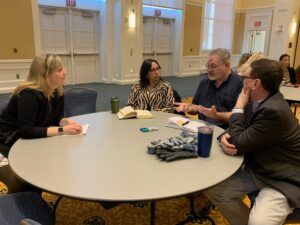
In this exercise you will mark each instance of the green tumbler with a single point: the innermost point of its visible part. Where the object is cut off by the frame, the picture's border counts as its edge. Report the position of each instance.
(114, 104)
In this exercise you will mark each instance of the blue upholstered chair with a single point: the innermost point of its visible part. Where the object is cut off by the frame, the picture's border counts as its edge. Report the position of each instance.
(24, 208)
(177, 98)
(294, 217)
(80, 101)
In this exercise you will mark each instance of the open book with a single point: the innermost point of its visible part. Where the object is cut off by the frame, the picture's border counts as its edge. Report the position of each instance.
(129, 112)
(184, 123)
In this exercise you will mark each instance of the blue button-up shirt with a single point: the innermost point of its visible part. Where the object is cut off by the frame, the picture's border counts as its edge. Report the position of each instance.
(223, 97)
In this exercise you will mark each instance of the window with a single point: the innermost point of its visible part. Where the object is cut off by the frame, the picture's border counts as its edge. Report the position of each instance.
(217, 32)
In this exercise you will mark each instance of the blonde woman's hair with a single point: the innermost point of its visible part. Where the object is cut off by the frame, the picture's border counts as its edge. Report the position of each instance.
(256, 56)
(244, 59)
(37, 78)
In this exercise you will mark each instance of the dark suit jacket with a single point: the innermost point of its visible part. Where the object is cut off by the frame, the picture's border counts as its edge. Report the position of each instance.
(270, 140)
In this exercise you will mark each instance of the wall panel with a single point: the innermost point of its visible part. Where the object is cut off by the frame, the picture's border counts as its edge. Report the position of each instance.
(16, 30)
(192, 30)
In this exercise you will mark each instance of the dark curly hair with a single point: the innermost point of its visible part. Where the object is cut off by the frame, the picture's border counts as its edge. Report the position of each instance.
(145, 69)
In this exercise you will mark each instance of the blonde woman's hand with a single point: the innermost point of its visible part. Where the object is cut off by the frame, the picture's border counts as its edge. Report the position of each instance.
(66, 121)
(73, 129)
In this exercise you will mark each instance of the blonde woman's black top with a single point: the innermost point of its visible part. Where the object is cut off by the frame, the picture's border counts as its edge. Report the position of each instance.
(28, 115)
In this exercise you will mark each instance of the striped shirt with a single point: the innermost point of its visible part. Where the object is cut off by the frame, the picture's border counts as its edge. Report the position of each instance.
(159, 98)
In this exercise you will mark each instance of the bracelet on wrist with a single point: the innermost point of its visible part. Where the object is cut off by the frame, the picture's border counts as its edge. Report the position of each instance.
(237, 110)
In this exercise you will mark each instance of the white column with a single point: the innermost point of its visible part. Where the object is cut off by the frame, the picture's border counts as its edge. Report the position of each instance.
(282, 39)
(107, 47)
(128, 41)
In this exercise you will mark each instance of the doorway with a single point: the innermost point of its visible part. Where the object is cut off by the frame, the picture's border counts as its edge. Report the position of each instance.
(158, 42)
(73, 35)
(256, 41)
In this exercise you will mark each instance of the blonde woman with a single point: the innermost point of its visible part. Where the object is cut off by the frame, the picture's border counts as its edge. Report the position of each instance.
(242, 69)
(35, 110)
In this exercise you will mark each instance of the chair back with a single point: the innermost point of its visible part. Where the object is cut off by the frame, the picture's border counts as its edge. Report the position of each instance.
(80, 101)
(18, 207)
(176, 96)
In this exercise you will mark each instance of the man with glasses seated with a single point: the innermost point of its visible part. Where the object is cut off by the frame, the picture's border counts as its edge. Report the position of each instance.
(263, 128)
(152, 92)
(217, 92)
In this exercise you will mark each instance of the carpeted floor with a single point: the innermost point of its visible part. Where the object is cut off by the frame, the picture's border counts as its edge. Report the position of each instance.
(168, 212)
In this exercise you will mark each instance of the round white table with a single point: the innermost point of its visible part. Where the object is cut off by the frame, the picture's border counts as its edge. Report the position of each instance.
(111, 162)
(292, 95)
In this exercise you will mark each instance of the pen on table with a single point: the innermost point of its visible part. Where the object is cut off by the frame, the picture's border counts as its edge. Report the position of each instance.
(185, 123)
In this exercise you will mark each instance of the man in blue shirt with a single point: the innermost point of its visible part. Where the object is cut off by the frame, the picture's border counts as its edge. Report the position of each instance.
(217, 92)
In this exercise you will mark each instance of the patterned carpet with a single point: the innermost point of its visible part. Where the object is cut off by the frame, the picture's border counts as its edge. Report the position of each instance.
(168, 212)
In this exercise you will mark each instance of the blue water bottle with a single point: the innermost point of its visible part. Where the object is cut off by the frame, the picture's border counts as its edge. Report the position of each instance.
(205, 135)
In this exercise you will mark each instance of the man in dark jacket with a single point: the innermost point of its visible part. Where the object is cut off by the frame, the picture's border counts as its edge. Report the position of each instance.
(263, 128)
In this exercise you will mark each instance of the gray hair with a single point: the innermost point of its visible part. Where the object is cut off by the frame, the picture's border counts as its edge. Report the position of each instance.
(223, 53)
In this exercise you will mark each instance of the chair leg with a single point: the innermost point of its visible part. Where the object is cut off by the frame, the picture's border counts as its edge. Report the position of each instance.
(195, 217)
(55, 207)
(152, 213)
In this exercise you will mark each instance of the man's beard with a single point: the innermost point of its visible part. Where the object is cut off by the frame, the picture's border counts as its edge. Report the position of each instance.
(211, 77)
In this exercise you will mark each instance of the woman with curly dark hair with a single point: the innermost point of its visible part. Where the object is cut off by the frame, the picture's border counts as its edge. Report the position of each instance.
(151, 92)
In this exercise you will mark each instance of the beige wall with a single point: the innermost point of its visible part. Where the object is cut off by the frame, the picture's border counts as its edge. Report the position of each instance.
(16, 30)
(238, 33)
(246, 4)
(192, 29)
(238, 4)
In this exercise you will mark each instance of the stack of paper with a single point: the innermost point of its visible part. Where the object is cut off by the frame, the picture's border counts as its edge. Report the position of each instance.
(85, 128)
(184, 123)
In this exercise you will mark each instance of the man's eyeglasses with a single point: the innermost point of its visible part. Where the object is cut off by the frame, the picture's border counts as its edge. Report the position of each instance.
(244, 78)
(155, 69)
(211, 66)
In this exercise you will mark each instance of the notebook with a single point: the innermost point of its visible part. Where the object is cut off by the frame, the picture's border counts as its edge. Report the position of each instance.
(129, 112)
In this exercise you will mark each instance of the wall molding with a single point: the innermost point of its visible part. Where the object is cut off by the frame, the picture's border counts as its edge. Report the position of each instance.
(12, 73)
(193, 65)
(194, 2)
